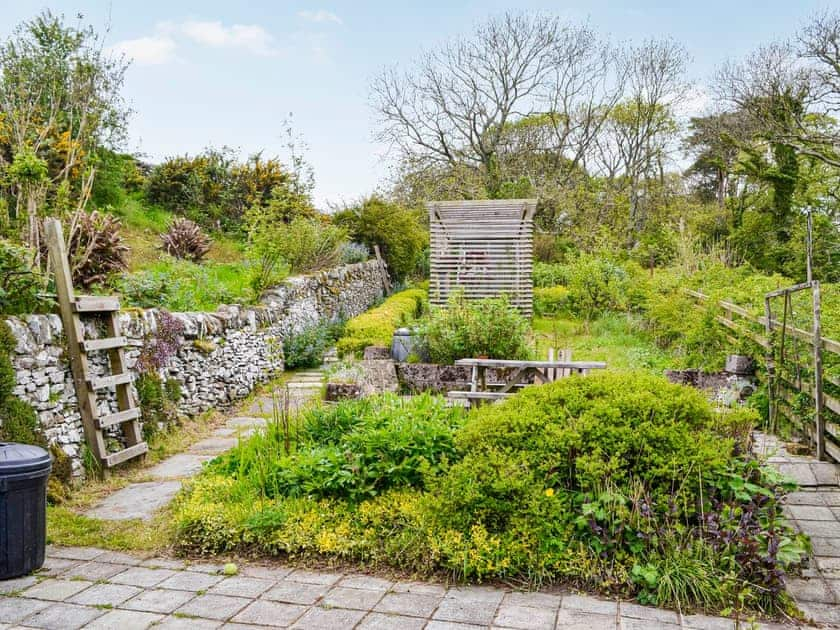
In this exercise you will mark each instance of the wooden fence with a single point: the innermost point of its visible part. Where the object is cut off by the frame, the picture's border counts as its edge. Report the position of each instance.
(794, 371)
(484, 249)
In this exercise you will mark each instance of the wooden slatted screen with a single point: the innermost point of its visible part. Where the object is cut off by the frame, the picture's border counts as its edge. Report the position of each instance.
(483, 248)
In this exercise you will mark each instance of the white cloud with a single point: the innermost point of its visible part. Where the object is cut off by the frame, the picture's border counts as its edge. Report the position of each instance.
(147, 51)
(161, 47)
(321, 15)
(250, 37)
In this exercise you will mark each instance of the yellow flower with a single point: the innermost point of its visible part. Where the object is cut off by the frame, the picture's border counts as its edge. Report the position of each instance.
(549, 492)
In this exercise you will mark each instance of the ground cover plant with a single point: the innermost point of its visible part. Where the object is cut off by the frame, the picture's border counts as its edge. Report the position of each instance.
(620, 482)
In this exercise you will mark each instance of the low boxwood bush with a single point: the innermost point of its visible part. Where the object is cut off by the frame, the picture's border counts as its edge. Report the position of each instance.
(473, 328)
(621, 482)
(376, 327)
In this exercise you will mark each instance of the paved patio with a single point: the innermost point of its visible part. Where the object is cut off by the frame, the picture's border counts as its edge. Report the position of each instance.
(814, 510)
(93, 588)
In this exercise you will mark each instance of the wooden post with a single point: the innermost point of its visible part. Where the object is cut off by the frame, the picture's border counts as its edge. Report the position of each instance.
(809, 249)
(770, 361)
(386, 279)
(73, 332)
(819, 418)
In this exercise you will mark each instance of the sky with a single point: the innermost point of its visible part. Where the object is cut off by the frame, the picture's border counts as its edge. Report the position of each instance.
(228, 73)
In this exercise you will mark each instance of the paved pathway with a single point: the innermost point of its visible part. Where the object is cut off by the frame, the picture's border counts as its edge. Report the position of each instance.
(142, 500)
(814, 510)
(91, 588)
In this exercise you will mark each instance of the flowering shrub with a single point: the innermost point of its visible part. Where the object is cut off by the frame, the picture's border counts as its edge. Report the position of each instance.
(162, 343)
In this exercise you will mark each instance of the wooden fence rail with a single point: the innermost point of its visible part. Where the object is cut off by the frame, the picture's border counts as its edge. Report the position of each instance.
(743, 326)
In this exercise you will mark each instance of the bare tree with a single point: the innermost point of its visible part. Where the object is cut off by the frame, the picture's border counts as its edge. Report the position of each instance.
(641, 129)
(457, 105)
(819, 43)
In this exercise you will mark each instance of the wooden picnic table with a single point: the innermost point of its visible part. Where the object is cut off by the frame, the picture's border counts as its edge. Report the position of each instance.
(542, 372)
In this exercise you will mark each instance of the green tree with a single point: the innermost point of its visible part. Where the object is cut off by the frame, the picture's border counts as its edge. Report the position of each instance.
(396, 230)
(59, 101)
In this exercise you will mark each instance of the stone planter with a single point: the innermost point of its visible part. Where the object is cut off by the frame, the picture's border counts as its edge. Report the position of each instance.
(342, 391)
(740, 365)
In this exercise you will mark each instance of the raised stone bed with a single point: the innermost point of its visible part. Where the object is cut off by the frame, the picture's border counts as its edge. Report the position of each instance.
(432, 377)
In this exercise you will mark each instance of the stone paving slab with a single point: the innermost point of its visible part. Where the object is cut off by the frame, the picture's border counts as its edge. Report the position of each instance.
(175, 594)
(138, 500)
(812, 510)
(179, 466)
(214, 445)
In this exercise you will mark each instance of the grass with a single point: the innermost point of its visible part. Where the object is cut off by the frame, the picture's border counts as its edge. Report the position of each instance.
(144, 223)
(180, 285)
(614, 338)
(66, 525)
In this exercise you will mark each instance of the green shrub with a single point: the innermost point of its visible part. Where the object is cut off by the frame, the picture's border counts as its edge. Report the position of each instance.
(472, 328)
(308, 245)
(18, 422)
(214, 189)
(377, 326)
(302, 245)
(624, 468)
(396, 230)
(20, 281)
(550, 274)
(550, 300)
(596, 285)
(305, 349)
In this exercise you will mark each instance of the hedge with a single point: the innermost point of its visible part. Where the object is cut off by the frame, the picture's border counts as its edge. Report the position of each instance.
(376, 327)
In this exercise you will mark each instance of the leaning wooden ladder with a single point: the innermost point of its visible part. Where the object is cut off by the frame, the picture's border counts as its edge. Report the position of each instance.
(72, 308)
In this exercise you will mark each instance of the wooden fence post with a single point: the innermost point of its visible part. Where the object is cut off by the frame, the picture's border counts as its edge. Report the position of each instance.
(819, 419)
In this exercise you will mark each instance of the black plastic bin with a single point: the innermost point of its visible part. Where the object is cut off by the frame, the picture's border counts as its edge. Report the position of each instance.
(24, 470)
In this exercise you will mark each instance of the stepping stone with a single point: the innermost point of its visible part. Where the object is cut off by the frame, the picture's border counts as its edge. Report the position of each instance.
(245, 421)
(214, 445)
(138, 500)
(180, 466)
(304, 385)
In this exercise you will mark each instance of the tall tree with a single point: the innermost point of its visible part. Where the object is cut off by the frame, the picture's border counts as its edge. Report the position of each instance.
(59, 101)
(715, 142)
(455, 107)
(819, 43)
(775, 92)
(641, 130)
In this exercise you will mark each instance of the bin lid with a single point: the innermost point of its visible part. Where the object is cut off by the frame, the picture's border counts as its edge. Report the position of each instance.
(17, 458)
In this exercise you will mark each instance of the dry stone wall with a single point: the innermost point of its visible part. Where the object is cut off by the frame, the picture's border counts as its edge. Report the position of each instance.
(224, 354)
